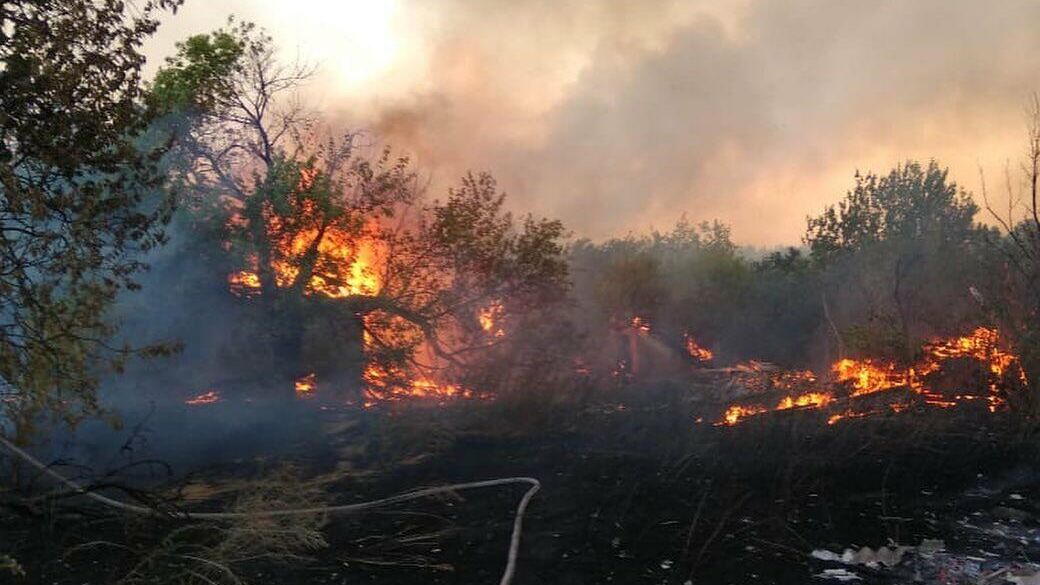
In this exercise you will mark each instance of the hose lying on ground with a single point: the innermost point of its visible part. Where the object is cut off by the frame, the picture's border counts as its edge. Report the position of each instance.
(514, 543)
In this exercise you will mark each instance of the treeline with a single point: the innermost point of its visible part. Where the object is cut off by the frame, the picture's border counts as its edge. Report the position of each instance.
(901, 258)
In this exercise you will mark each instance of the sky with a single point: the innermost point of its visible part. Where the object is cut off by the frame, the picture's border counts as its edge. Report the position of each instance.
(620, 116)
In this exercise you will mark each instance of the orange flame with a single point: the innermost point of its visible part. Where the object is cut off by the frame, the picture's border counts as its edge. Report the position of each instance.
(695, 351)
(349, 265)
(353, 272)
(736, 413)
(391, 385)
(208, 397)
(866, 376)
(306, 386)
(244, 283)
(489, 317)
(813, 399)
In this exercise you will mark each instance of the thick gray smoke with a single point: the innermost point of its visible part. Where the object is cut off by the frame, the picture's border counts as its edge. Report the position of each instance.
(616, 116)
(764, 117)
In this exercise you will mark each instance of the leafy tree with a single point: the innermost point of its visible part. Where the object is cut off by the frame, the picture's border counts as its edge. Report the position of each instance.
(910, 203)
(689, 280)
(80, 195)
(898, 257)
(781, 309)
(194, 79)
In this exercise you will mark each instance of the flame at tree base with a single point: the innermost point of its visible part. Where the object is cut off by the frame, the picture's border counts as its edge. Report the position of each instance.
(385, 385)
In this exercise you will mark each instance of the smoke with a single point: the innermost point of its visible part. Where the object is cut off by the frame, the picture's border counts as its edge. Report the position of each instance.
(616, 116)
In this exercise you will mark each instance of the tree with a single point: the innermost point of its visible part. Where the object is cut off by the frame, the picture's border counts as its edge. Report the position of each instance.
(897, 258)
(335, 244)
(910, 203)
(1013, 297)
(81, 194)
(687, 282)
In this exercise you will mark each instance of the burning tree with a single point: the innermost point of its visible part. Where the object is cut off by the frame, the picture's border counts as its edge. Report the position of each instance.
(352, 272)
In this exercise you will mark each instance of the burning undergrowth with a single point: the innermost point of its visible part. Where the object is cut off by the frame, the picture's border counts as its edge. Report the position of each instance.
(406, 359)
(974, 368)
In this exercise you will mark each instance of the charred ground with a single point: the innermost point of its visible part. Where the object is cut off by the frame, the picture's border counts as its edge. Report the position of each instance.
(632, 493)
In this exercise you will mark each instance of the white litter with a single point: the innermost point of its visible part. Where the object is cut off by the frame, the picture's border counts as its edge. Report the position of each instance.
(839, 575)
(888, 556)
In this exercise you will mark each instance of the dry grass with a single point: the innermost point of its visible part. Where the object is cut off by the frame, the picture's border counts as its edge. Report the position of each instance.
(9, 564)
(214, 552)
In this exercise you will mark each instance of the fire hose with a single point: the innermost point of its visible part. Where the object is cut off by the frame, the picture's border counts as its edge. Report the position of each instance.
(514, 542)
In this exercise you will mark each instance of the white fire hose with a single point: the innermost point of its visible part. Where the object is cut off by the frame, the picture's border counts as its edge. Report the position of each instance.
(514, 543)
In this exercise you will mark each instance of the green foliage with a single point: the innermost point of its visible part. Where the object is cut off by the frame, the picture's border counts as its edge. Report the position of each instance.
(199, 75)
(911, 202)
(79, 196)
(689, 280)
(314, 202)
(782, 308)
(481, 257)
(490, 255)
(897, 259)
(644, 275)
(631, 285)
(892, 263)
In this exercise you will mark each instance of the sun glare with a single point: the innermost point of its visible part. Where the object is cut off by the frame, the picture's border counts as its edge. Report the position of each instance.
(353, 41)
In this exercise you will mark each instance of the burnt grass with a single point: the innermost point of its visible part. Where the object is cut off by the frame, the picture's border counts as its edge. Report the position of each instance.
(633, 491)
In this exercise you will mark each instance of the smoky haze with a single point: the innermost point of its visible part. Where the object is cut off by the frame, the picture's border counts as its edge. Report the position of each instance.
(613, 116)
(616, 116)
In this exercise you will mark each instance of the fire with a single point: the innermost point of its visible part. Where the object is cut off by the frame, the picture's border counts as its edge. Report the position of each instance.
(792, 380)
(835, 418)
(306, 386)
(695, 351)
(360, 258)
(244, 283)
(208, 397)
(858, 378)
(813, 399)
(641, 325)
(983, 344)
(347, 264)
(867, 376)
(489, 318)
(391, 385)
(736, 413)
